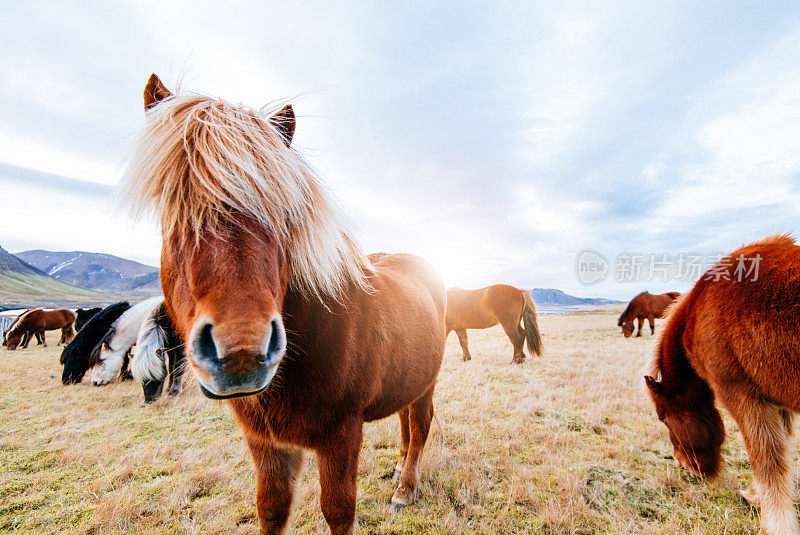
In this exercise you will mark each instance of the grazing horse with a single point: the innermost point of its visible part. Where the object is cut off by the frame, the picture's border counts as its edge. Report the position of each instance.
(645, 306)
(283, 315)
(37, 321)
(159, 352)
(484, 308)
(75, 357)
(84, 315)
(736, 340)
(112, 353)
(26, 338)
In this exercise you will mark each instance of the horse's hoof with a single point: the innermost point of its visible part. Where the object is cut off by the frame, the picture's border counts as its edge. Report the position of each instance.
(403, 497)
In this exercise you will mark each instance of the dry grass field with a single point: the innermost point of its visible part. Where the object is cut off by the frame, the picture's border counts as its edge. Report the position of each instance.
(566, 443)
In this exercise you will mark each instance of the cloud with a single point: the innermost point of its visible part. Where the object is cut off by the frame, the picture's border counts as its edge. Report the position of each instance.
(499, 141)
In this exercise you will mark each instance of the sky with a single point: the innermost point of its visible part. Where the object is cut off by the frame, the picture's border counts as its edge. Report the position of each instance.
(499, 140)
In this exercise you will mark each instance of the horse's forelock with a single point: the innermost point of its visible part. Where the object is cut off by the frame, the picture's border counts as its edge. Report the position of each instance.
(202, 162)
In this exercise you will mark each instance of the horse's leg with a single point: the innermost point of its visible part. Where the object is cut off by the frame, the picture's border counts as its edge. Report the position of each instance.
(43, 335)
(462, 339)
(517, 337)
(338, 470)
(176, 369)
(652, 320)
(125, 373)
(765, 428)
(39, 337)
(26, 338)
(405, 437)
(639, 323)
(420, 415)
(277, 467)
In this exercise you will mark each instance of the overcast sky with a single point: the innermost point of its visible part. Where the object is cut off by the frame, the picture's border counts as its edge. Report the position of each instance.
(498, 139)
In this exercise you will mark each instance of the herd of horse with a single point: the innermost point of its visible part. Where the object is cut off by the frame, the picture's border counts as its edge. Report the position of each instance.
(306, 337)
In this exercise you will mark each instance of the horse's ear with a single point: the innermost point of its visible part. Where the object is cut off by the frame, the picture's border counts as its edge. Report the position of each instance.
(155, 92)
(284, 121)
(654, 386)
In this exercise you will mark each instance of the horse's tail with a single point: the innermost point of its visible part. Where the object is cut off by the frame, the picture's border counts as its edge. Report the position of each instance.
(149, 359)
(531, 324)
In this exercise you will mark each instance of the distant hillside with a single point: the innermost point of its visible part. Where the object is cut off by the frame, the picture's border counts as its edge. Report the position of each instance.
(96, 271)
(553, 297)
(24, 285)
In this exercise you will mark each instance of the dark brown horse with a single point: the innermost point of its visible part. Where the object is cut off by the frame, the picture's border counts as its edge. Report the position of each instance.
(645, 306)
(484, 308)
(737, 340)
(38, 321)
(281, 312)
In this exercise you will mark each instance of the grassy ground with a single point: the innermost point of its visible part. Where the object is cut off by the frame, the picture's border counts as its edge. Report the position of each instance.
(566, 443)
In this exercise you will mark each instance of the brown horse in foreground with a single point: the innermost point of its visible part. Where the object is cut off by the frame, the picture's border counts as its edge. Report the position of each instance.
(645, 306)
(26, 338)
(282, 314)
(35, 322)
(484, 308)
(737, 341)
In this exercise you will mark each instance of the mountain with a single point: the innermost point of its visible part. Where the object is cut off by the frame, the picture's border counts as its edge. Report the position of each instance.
(22, 284)
(553, 297)
(96, 271)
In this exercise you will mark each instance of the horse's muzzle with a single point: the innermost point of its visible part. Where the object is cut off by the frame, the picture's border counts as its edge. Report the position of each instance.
(225, 370)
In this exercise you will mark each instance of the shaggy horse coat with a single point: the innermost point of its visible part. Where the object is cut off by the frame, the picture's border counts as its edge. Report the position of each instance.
(484, 308)
(75, 357)
(282, 313)
(36, 322)
(645, 306)
(159, 353)
(84, 315)
(109, 356)
(737, 340)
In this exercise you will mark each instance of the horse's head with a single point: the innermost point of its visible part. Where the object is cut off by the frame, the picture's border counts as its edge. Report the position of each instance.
(105, 362)
(244, 218)
(627, 328)
(75, 365)
(226, 294)
(237, 207)
(694, 424)
(12, 339)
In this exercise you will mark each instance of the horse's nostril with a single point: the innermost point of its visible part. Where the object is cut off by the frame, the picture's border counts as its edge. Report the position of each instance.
(205, 344)
(276, 339)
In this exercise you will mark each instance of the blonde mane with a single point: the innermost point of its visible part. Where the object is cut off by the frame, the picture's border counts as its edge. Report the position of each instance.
(202, 162)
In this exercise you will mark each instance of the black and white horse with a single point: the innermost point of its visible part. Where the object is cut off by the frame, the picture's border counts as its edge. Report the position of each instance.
(110, 355)
(159, 353)
(75, 357)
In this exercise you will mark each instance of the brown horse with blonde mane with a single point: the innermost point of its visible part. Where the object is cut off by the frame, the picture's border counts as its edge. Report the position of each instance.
(737, 340)
(282, 314)
(484, 308)
(35, 322)
(645, 306)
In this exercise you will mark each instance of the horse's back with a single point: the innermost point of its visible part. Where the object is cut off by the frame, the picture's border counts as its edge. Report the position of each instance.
(413, 268)
(749, 330)
(58, 319)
